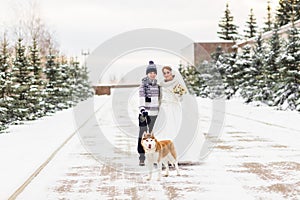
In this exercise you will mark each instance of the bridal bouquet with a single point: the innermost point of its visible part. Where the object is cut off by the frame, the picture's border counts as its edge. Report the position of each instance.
(178, 89)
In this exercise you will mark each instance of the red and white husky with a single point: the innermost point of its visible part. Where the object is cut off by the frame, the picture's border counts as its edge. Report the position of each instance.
(160, 152)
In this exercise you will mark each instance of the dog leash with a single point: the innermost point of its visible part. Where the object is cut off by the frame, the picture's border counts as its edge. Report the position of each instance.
(147, 125)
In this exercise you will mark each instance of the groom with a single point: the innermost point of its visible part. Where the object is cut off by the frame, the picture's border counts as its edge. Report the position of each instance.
(149, 104)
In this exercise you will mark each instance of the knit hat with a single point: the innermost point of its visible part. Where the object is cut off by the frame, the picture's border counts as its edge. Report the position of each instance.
(151, 67)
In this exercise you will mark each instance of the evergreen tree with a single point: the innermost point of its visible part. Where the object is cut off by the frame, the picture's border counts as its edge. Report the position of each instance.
(25, 94)
(268, 23)
(282, 15)
(5, 83)
(251, 25)
(87, 90)
(204, 80)
(3, 115)
(215, 55)
(64, 86)
(51, 75)
(258, 63)
(195, 84)
(244, 72)
(36, 88)
(270, 69)
(217, 58)
(213, 79)
(82, 89)
(252, 78)
(66, 71)
(58, 88)
(286, 10)
(21, 80)
(228, 28)
(5, 75)
(73, 73)
(296, 9)
(206, 83)
(216, 82)
(225, 66)
(288, 93)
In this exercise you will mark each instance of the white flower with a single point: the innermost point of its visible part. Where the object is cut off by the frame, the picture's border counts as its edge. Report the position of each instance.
(178, 89)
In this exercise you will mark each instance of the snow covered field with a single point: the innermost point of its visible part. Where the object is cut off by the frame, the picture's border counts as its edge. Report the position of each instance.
(256, 157)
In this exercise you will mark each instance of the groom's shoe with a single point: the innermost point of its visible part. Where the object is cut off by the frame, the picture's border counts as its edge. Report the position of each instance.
(142, 163)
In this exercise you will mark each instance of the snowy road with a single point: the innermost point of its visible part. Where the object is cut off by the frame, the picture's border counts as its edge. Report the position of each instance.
(256, 157)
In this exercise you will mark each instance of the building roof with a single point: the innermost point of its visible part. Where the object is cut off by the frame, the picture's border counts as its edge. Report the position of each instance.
(282, 30)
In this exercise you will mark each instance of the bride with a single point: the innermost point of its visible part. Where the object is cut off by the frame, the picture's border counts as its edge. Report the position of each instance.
(170, 123)
(169, 117)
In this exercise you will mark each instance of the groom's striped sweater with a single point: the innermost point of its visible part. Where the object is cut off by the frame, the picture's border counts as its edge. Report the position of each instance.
(153, 93)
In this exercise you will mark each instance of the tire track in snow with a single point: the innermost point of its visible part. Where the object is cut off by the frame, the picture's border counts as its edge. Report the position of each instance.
(255, 120)
(44, 164)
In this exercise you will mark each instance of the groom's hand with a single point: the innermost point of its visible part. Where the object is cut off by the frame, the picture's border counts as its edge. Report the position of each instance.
(144, 113)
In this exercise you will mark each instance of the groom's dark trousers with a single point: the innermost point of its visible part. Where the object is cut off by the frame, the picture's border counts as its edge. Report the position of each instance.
(142, 130)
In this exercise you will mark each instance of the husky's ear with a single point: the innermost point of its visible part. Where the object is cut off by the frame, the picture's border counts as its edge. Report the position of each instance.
(152, 135)
(144, 134)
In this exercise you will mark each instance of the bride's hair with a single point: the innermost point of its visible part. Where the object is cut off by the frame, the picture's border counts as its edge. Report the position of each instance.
(166, 67)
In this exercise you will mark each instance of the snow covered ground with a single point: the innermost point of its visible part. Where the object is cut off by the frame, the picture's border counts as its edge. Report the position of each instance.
(256, 157)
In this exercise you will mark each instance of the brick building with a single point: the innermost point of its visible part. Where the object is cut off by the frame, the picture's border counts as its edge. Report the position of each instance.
(204, 50)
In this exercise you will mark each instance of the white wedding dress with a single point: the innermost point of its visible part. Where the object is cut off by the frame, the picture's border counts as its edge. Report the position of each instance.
(178, 120)
(168, 121)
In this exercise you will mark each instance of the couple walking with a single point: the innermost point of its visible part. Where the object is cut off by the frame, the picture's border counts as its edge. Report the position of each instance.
(160, 109)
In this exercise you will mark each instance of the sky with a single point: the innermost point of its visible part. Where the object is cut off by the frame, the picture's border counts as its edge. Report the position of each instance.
(85, 24)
